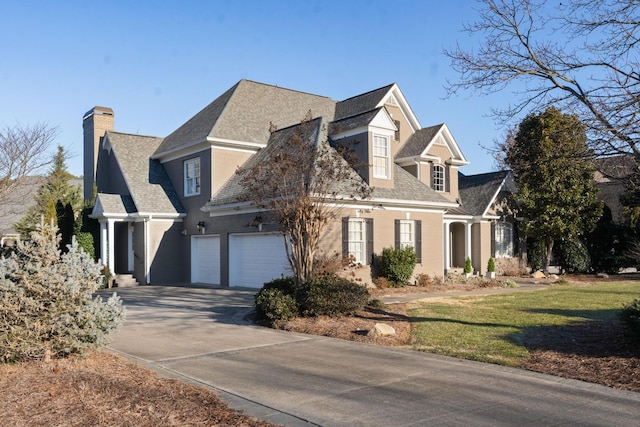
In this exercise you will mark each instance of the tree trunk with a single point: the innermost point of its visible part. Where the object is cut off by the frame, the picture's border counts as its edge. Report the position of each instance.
(547, 258)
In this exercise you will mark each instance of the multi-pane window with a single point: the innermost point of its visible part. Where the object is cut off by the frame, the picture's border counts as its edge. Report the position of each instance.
(503, 239)
(438, 178)
(380, 156)
(192, 177)
(407, 234)
(357, 239)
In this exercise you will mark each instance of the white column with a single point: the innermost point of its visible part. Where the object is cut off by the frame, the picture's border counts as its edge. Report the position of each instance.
(147, 261)
(111, 245)
(103, 242)
(467, 240)
(447, 248)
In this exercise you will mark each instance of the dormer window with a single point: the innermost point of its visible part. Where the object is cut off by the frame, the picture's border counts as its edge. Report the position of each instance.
(438, 183)
(192, 177)
(381, 156)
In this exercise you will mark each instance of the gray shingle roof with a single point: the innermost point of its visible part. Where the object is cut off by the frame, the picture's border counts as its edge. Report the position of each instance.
(408, 187)
(245, 112)
(116, 204)
(477, 191)
(150, 187)
(418, 142)
(361, 103)
(232, 191)
(353, 122)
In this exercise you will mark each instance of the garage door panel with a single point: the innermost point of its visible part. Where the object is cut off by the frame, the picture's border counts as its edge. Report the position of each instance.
(205, 259)
(256, 258)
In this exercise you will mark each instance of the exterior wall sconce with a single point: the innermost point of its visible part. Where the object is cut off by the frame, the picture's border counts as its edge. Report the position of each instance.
(201, 226)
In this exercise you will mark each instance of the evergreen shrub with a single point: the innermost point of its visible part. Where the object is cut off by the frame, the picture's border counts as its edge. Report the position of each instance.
(397, 264)
(332, 296)
(47, 307)
(274, 305)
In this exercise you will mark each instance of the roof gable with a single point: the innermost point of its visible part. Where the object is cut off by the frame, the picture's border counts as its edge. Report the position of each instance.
(390, 94)
(420, 143)
(479, 192)
(147, 181)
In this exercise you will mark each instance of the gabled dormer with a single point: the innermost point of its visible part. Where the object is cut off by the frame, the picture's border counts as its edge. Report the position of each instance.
(433, 156)
(374, 125)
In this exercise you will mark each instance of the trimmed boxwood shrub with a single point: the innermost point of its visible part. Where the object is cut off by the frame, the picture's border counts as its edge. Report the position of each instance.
(286, 284)
(273, 306)
(332, 296)
(397, 264)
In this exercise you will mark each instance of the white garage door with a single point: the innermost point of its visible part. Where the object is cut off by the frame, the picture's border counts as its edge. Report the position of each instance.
(256, 258)
(205, 259)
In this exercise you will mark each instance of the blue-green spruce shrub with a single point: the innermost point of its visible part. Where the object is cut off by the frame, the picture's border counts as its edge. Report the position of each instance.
(47, 304)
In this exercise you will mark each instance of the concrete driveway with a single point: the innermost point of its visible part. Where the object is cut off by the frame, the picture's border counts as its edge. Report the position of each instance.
(200, 336)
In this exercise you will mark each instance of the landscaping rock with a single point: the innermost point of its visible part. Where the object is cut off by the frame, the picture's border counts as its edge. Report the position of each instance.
(381, 330)
(538, 275)
(554, 277)
(602, 276)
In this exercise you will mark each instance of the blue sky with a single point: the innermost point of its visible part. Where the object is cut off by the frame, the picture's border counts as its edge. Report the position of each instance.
(157, 63)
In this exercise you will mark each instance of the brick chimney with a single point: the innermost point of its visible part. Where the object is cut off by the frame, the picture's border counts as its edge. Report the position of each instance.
(95, 123)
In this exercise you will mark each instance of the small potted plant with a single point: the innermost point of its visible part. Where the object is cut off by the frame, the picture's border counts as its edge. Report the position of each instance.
(491, 268)
(467, 267)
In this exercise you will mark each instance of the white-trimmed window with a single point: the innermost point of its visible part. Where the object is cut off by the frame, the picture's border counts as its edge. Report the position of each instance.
(438, 177)
(192, 177)
(407, 234)
(358, 240)
(503, 239)
(381, 156)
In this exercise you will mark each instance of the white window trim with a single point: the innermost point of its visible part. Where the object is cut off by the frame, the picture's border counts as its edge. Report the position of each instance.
(412, 233)
(192, 184)
(363, 243)
(503, 249)
(439, 187)
(387, 158)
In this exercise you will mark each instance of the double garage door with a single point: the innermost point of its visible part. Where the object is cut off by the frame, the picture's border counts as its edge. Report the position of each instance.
(253, 259)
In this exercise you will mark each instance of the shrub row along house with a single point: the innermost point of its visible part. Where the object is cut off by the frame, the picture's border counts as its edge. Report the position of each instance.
(171, 209)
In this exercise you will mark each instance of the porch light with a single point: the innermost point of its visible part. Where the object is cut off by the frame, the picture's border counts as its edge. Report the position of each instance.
(200, 226)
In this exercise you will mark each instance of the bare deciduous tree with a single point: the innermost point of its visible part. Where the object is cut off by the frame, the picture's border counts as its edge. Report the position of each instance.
(301, 179)
(579, 55)
(24, 151)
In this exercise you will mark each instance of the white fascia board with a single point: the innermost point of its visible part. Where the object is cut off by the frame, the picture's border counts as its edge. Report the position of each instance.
(383, 120)
(388, 203)
(352, 132)
(453, 146)
(117, 216)
(450, 218)
(233, 209)
(177, 217)
(404, 107)
(494, 197)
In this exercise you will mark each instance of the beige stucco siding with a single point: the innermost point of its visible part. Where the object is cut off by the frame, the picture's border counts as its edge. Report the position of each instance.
(167, 249)
(384, 236)
(225, 163)
(481, 246)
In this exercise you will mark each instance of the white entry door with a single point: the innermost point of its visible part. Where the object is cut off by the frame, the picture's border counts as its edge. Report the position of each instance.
(256, 258)
(205, 259)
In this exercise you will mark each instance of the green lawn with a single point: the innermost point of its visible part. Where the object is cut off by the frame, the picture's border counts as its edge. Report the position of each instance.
(493, 328)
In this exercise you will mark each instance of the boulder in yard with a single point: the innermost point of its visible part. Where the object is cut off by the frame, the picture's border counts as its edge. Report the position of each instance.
(381, 330)
(538, 275)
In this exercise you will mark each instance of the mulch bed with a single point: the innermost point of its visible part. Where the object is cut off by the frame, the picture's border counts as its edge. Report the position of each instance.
(104, 389)
(596, 351)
